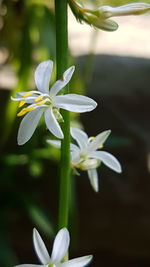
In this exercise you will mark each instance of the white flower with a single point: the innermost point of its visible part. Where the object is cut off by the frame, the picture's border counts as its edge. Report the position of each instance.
(59, 250)
(48, 102)
(86, 156)
(100, 17)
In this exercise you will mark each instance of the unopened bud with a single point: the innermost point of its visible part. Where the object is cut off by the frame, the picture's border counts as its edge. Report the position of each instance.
(103, 24)
(124, 10)
(89, 164)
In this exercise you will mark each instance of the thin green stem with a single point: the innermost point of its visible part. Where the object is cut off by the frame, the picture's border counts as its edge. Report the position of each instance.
(62, 64)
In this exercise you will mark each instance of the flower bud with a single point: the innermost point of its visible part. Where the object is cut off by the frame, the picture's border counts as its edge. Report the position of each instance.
(89, 164)
(125, 10)
(103, 24)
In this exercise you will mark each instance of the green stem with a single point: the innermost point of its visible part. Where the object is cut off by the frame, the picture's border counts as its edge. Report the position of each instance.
(62, 64)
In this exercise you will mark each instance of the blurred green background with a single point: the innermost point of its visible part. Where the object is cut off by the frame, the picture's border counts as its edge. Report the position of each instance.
(114, 225)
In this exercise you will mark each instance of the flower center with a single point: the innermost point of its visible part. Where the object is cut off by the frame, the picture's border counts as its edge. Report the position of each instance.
(35, 102)
(52, 265)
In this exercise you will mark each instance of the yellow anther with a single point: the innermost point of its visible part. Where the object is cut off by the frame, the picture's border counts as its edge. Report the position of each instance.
(91, 138)
(24, 111)
(27, 94)
(38, 98)
(22, 102)
(101, 146)
(40, 103)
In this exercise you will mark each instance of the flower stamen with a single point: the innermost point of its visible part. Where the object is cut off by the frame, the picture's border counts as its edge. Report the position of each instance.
(21, 104)
(24, 111)
(38, 98)
(91, 138)
(27, 94)
(40, 103)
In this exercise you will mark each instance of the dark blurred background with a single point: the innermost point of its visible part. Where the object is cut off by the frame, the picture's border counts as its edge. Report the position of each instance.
(112, 68)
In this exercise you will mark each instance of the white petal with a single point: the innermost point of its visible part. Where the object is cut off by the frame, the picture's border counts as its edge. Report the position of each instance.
(78, 262)
(52, 123)
(103, 24)
(108, 159)
(74, 148)
(58, 85)
(75, 103)
(42, 75)
(80, 137)
(75, 157)
(30, 265)
(28, 125)
(61, 244)
(93, 177)
(124, 10)
(55, 143)
(98, 141)
(40, 248)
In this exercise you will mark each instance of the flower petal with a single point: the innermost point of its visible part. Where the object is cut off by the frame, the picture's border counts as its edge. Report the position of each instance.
(74, 148)
(78, 262)
(58, 85)
(75, 103)
(40, 248)
(28, 125)
(30, 265)
(93, 177)
(124, 10)
(60, 247)
(108, 159)
(80, 137)
(52, 123)
(55, 143)
(98, 141)
(103, 24)
(42, 75)
(75, 157)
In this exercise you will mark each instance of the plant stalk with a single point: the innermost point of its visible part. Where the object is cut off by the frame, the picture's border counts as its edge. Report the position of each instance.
(61, 65)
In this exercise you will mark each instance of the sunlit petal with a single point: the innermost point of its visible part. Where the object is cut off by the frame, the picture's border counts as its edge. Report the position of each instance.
(80, 137)
(98, 141)
(124, 10)
(78, 262)
(75, 103)
(42, 75)
(58, 85)
(93, 177)
(28, 125)
(108, 159)
(61, 244)
(52, 123)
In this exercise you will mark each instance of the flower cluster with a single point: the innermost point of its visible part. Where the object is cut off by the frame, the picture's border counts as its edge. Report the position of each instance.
(99, 17)
(86, 152)
(59, 250)
(87, 156)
